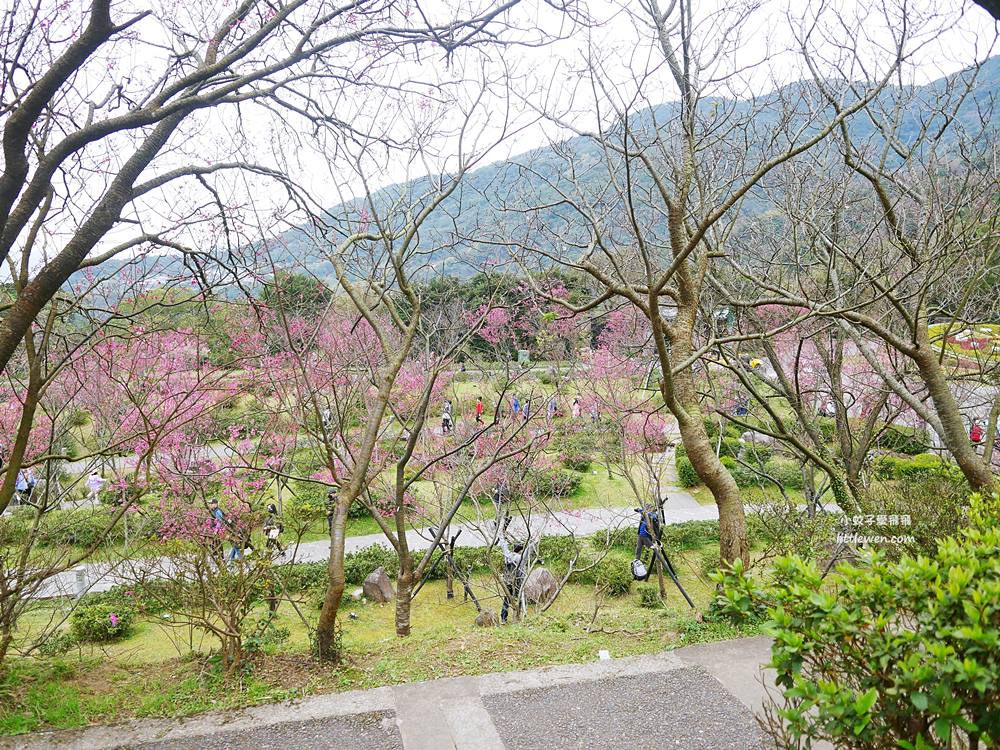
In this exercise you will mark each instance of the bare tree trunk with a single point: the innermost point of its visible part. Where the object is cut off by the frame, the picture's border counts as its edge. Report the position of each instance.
(404, 595)
(954, 434)
(733, 544)
(326, 646)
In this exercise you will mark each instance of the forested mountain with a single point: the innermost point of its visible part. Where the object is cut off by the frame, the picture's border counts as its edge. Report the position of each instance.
(481, 205)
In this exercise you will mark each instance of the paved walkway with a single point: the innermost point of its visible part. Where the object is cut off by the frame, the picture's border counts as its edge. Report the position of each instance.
(680, 507)
(697, 698)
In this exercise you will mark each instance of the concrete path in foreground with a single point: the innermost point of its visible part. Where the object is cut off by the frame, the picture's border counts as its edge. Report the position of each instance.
(697, 698)
(680, 507)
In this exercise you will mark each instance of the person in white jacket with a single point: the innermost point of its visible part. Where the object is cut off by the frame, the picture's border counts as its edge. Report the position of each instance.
(516, 558)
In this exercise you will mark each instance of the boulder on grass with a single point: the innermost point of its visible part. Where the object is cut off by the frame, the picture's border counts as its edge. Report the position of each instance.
(540, 586)
(378, 586)
(486, 619)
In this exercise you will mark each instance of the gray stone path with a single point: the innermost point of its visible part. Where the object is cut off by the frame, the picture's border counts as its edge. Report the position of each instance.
(675, 699)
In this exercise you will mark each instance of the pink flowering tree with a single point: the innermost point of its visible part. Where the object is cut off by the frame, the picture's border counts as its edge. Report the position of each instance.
(210, 565)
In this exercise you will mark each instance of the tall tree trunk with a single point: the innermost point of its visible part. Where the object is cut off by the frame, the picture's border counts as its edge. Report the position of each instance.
(326, 641)
(733, 544)
(404, 595)
(954, 434)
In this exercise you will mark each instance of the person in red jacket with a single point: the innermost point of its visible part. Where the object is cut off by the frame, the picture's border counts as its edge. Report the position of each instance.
(479, 410)
(977, 433)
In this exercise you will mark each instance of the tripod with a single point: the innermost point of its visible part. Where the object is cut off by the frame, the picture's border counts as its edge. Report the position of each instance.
(661, 556)
(447, 552)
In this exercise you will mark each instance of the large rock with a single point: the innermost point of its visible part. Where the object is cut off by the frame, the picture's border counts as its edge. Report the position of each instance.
(540, 587)
(378, 587)
(486, 619)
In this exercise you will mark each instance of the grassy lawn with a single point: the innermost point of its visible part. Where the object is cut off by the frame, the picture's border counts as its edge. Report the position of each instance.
(162, 671)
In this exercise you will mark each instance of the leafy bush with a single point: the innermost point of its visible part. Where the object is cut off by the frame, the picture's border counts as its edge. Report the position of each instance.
(649, 597)
(827, 428)
(104, 620)
(57, 644)
(933, 507)
(709, 561)
(728, 429)
(678, 537)
(743, 476)
(730, 446)
(83, 527)
(265, 636)
(304, 576)
(613, 576)
(920, 466)
(575, 461)
(785, 471)
(357, 565)
(738, 598)
(686, 474)
(557, 549)
(550, 483)
(892, 655)
(900, 439)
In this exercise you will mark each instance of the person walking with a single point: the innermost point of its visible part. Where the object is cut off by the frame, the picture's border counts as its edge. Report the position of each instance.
(241, 530)
(479, 409)
(552, 408)
(976, 433)
(272, 531)
(575, 410)
(95, 483)
(25, 484)
(446, 420)
(526, 408)
(218, 525)
(515, 407)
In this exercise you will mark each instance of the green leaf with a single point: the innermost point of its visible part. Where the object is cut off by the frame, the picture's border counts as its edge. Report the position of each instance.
(919, 701)
(865, 701)
(942, 728)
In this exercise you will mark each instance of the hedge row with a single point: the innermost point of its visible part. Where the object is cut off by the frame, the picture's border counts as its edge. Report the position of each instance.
(921, 466)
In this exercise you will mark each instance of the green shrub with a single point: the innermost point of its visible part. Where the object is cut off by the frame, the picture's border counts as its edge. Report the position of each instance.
(550, 483)
(900, 439)
(649, 597)
(57, 644)
(104, 620)
(730, 446)
(743, 476)
(891, 654)
(686, 474)
(83, 527)
(575, 461)
(678, 537)
(738, 598)
(555, 550)
(709, 561)
(358, 565)
(304, 576)
(827, 428)
(920, 466)
(933, 507)
(728, 428)
(785, 471)
(613, 576)
(689, 535)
